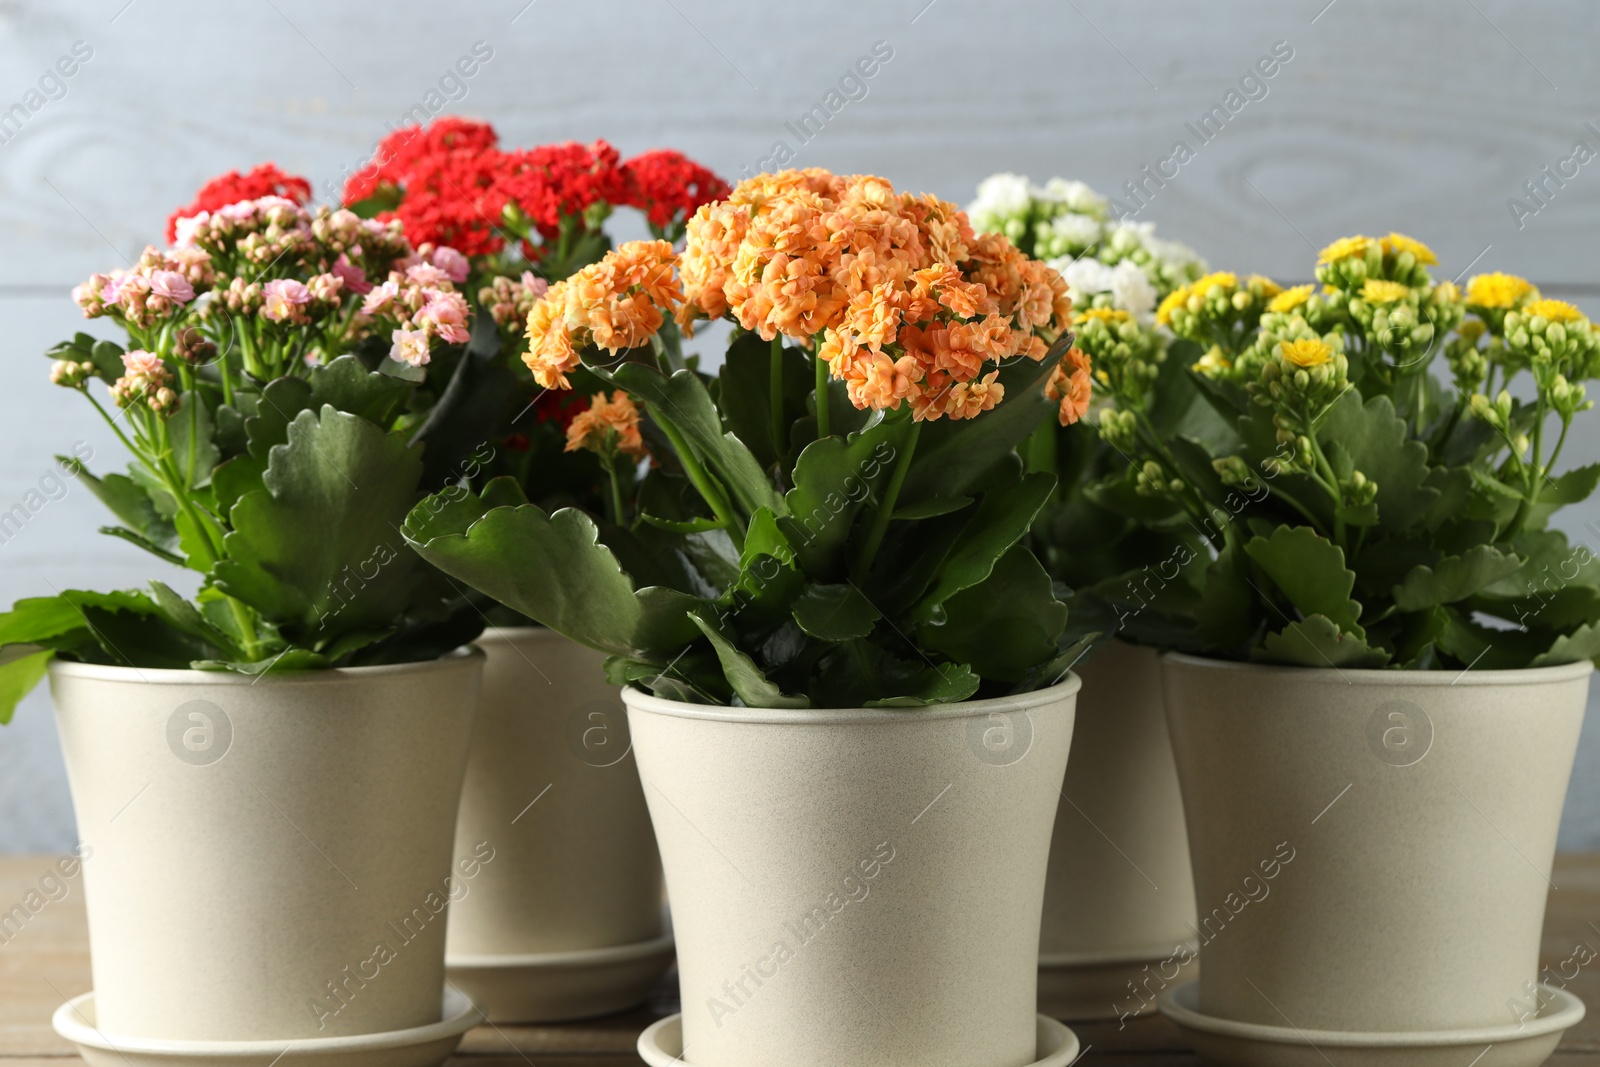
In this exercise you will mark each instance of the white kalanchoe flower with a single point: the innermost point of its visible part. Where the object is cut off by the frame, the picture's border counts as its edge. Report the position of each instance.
(1002, 205)
(1076, 196)
(1131, 289)
(1075, 231)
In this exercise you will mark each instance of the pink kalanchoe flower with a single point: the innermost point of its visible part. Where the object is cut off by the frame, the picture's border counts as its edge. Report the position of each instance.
(172, 285)
(381, 299)
(184, 229)
(139, 361)
(410, 347)
(453, 263)
(355, 279)
(283, 299)
(325, 288)
(446, 312)
(426, 274)
(535, 285)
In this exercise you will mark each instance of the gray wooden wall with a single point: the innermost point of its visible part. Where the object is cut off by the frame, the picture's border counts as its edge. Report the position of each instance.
(1426, 117)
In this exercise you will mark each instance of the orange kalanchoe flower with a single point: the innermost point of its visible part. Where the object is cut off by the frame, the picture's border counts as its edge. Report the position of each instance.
(894, 292)
(1072, 383)
(606, 426)
(615, 304)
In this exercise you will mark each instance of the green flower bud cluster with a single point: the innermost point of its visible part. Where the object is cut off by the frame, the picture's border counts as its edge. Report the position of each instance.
(71, 374)
(1120, 429)
(1351, 262)
(1553, 336)
(1234, 472)
(1151, 480)
(1126, 355)
(1358, 489)
(1218, 310)
(1496, 412)
(1298, 385)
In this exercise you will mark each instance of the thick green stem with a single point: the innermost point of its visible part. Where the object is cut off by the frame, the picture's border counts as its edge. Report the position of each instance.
(616, 490)
(709, 490)
(1533, 471)
(780, 439)
(885, 512)
(823, 412)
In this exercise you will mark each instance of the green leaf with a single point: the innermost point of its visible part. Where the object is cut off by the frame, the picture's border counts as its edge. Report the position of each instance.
(285, 662)
(1572, 487)
(317, 548)
(1053, 671)
(834, 479)
(186, 618)
(1227, 615)
(349, 386)
(280, 402)
(234, 478)
(35, 620)
(932, 507)
(553, 569)
(835, 612)
(129, 501)
(955, 456)
(1317, 641)
(744, 395)
(141, 541)
(682, 401)
(130, 631)
(746, 678)
(1381, 446)
(1583, 643)
(946, 683)
(1003, 516)
(1006, 625)
(194, 454)
(1309, 570)
(1454, 578)
(18, 676)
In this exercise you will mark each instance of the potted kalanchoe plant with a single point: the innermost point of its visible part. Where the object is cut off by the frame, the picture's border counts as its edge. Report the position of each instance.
(1119, 899)
(846, 674)
(311, 690)
(567, 922)
(1382, 646)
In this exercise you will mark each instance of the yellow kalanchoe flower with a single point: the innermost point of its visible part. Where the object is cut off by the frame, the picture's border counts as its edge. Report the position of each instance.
(1106, 315)
(1268, 287)
(1290, 299)
(1378, 291)
(1498, 290)
(1212, 363)
(1553, 310)
(1175, 299)
(1396, 243)
(1345, 247)
(1306, 352)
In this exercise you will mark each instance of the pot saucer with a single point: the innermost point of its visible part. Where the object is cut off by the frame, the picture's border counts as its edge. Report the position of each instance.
(661, 1045)
(552, 986)
(1096, 986)
(418, 1046)
(1225, 1041)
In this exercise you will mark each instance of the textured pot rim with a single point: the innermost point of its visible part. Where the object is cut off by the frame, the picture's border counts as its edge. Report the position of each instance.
(637, 950)
(455, 659)
(1178, 1004)
(504, 635)
(458, 1014)
(1561, 672)
(965, 709)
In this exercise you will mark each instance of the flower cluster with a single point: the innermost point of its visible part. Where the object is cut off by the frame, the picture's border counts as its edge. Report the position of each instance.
(146, 381)
(232, 187)
(609, 425)
(420, 303)
(159, 287)
(669, 187)
(510, 299)
(1106, 261)
(903, 301)
(615, 304)
(450, 182)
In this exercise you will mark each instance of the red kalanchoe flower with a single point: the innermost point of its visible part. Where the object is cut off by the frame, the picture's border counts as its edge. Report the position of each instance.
(561, 179)
(398, 153)
(232, 187)
(669, 187)
(453, 198)
(559, 407)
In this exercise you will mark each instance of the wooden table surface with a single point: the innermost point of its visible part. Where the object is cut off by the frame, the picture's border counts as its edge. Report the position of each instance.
(48, 962)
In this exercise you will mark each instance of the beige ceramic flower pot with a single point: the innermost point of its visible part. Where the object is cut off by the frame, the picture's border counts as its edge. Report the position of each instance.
(856, 886)
(1371, 849)
(1119, 920)
(272, 857)
(565, 920)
